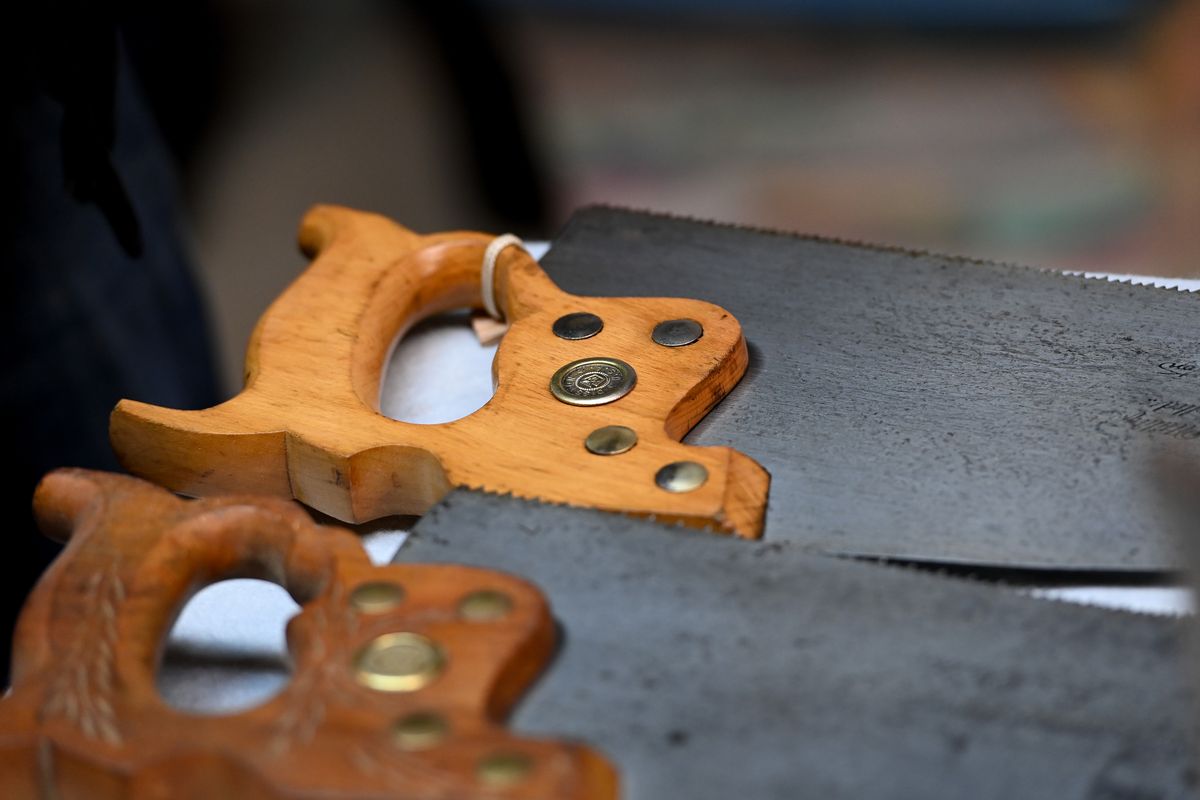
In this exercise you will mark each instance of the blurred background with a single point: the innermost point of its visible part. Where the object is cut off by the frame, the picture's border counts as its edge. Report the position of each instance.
(1062, 133)
(159, 156)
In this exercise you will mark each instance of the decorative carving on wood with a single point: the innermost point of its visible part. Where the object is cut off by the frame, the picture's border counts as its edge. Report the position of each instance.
(402, 674)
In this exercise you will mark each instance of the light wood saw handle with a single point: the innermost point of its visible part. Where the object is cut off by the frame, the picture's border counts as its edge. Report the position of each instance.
(307, 424)
(402, 674)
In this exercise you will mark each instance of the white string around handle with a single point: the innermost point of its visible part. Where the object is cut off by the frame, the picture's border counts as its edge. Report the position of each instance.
(487, 278)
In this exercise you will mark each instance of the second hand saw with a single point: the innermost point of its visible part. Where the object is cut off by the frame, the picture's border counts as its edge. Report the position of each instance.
(690, 666)
(897, 405)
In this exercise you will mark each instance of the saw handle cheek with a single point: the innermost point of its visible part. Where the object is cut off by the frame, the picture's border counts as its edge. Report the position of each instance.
(314, 365)
(402, 674)
(307, 424)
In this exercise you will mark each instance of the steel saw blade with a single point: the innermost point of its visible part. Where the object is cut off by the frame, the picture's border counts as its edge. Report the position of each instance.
(923, 407)
(709, 667)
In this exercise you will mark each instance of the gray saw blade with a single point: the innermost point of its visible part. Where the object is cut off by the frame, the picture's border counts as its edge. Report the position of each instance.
(709, 667)
(922, 407)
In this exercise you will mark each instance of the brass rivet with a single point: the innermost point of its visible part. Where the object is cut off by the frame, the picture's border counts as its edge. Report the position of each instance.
(419, 731)
(398, 662)
(486, 605)
(677, 332)
(593, 381)
(611, 440)
(580, 325)
(681, 476)
(504, 769)
(377, 597)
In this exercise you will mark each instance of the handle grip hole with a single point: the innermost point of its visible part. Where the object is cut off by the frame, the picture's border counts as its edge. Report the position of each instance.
(227, 651)
(438, 372)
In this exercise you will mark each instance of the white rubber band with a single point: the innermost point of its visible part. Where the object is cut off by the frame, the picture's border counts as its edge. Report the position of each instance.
(487, 278)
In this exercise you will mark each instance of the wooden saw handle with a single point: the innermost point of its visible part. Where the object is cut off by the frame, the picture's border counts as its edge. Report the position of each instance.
(402, 673)
(307, 424)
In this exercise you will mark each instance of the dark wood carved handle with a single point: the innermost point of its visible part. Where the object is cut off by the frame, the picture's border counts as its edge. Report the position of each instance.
(402, 674)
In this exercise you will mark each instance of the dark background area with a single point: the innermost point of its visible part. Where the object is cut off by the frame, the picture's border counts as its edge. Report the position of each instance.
(147, 145)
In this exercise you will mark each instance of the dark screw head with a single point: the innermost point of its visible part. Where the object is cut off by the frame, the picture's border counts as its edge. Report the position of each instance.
(580, 325)
(677, 332)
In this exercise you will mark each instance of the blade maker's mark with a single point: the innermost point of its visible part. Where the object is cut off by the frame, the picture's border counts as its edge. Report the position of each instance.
(1177, 368)
(1164, 417)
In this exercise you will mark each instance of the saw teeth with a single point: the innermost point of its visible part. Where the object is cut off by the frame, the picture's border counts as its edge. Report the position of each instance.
(876, 246)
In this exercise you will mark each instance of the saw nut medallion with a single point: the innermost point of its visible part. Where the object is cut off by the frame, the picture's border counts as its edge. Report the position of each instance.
(402, 675)
(307, 423)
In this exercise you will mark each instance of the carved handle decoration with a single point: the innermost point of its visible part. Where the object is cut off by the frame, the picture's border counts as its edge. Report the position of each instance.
(307, 424)
(402, 673)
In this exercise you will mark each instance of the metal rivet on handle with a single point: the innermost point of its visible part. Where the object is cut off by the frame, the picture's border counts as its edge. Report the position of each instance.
(504, 769)
(677, 332)
(398, 662)
(593, 381)
(377, 597)
(611, 440)
(681, 476)
(419, 731)
(580, 325)
(486, 605)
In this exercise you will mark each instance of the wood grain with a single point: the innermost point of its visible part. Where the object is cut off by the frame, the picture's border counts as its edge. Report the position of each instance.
(83, 719)
(307, 424)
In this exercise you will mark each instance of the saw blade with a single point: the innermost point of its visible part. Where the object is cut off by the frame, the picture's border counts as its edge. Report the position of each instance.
(923, 407)
(707, 667)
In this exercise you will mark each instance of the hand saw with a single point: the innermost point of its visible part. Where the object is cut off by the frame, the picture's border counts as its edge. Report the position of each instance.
(692, 666)
(906, 406)
(588, 408)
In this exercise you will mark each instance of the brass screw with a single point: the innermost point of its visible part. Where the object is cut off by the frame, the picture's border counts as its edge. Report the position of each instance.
(681, 476)
(398, 662)
(485, 605)
(500, 770)
(611, 440)
(420, 731)
(377, 597)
